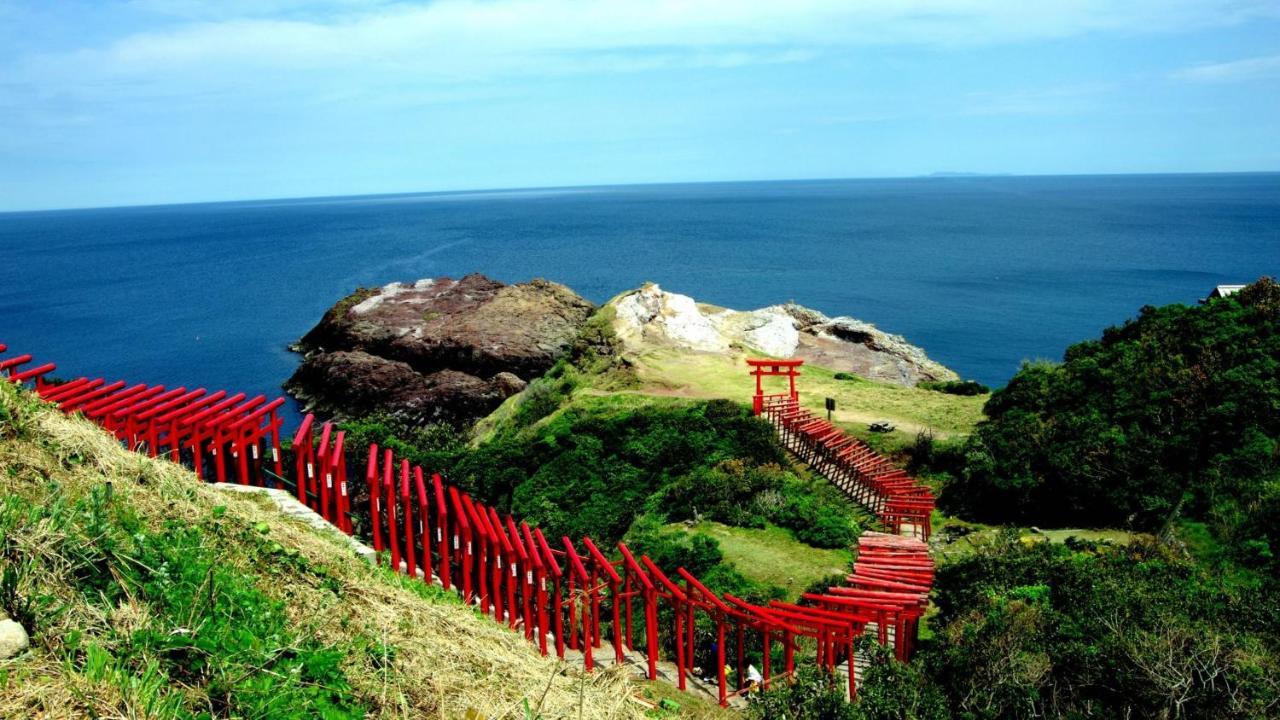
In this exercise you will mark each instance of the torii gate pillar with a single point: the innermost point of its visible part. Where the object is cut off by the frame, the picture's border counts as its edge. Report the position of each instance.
(761, 368)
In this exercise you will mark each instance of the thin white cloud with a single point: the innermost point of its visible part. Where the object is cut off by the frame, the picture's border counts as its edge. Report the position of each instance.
(287, 51)
(225, 9)
(1255, 68)
(470, 38)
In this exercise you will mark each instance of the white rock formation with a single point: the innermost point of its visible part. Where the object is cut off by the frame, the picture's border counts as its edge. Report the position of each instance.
(651, 316)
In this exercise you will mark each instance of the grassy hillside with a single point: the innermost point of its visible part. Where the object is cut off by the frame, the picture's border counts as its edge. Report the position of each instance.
(149, 594)
(772, 556)
(858, 401)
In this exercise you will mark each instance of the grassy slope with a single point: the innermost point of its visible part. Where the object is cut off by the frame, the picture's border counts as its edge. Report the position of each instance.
(106, 642)
(858, 401)
(771, 555)
(665, 373)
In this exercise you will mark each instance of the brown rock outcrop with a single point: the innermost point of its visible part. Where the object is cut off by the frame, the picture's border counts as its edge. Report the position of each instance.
(437, 349)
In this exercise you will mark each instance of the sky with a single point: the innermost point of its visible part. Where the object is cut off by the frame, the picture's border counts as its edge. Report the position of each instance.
(128, 102)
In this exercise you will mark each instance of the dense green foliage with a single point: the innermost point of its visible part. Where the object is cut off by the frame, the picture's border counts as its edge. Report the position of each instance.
(590, 469)
(1174, 413)
(1081, 630)
(435, 446)
(812, 696)
(199, 624)
(893, 690)
(966, 388)
(596, 466)
(736, 493)
(1075, 630)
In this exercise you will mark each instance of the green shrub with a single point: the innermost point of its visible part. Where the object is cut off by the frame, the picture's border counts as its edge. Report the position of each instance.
(930, 456)
(433, 446)
(671, 549)
(815, 513)
(831, 528)
(822, 585)
(729, 493)
(894, 690)
(844, 376)
(545, 395)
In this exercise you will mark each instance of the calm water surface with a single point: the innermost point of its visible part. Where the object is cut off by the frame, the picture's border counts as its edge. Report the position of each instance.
(981, 272)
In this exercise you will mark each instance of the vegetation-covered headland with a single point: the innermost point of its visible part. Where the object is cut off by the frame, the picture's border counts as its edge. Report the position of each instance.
(640, 432)
(1163, 606)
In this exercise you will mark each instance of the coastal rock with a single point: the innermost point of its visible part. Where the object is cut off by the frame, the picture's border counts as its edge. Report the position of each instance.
(649, 312)
(650, 316)
(436, 350)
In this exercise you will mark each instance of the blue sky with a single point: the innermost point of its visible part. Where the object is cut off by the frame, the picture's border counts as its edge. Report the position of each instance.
(119, 102)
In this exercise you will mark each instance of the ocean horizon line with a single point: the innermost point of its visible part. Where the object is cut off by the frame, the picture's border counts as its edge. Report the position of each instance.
(494, 192)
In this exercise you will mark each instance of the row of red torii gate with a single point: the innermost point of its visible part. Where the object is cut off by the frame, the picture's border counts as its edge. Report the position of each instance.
(565, 596)
(902, 503)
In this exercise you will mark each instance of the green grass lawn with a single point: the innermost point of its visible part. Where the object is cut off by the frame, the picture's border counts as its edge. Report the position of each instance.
(771, 555)
(858, 401)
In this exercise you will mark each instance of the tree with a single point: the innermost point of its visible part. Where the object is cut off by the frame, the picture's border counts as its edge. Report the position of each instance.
(1176, 412)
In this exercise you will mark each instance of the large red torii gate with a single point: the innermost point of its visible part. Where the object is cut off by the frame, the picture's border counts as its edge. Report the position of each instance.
(761, 369)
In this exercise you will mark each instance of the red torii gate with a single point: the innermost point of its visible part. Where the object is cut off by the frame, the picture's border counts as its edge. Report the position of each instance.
(774, 368)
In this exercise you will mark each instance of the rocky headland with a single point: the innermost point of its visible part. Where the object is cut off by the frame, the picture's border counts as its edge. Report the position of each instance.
(435, 350)
(440, 350)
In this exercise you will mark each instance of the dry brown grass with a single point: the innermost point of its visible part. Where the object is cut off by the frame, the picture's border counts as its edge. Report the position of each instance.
(447, 662)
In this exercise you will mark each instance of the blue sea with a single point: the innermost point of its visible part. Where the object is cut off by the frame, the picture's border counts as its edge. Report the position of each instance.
(983, 272)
